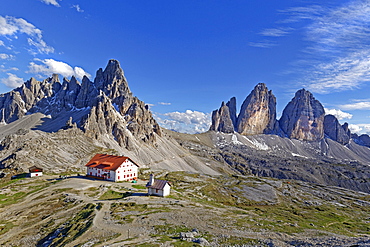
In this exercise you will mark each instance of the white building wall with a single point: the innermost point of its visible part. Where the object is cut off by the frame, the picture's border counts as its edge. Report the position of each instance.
(125, 172)
(35, 174)
(166, 190)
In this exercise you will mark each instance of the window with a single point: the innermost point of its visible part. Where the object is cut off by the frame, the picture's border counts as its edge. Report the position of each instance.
(118, 177)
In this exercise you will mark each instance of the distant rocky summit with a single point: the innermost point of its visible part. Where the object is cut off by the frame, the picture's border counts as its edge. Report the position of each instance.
(104, 106)
(257, 114)
(335, 131)
(303, 118)
(224, 119)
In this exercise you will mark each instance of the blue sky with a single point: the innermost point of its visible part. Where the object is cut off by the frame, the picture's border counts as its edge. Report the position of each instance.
(185, 57)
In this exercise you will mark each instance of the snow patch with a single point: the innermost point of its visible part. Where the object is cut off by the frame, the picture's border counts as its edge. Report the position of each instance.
(298, 155)
(258, 145)
(234, 140)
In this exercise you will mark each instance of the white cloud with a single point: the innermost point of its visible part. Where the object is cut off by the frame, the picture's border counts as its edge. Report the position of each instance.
(360, 105)
(78, 8)
(6, 56)
(7, 27)
(340, 115)
(163, 103)
(41, 46)
(11, 26)
(337, 53)
(297, 14)
(79, 72)
(3, 69)
(359, 128)
(262, 44)
(12, 81)
(51, 66)
(186, 122)
(275, 32)
(339, 37)
(2, 43)
(52, 2)
(343, 73)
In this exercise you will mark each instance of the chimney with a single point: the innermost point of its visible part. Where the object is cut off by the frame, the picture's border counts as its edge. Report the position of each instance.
(151, 180)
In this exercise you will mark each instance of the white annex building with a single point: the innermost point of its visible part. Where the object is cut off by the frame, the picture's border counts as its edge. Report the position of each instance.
(35, 171)
(112, 167)
(158, 187)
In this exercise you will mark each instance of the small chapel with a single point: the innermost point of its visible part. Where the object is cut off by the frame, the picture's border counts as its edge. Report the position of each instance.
(158, 187)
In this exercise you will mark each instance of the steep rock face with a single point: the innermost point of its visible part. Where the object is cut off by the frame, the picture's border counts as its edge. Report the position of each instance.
(363, 140)
(232, 109)
(258, 112)
(334, 130)
(346, 129)
(221, 119)
(303, 117)
(110, 106)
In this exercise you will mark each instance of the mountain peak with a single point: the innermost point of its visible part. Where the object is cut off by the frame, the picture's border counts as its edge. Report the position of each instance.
(113, 68)
(114, 110)
(303, 117)
(258, 112)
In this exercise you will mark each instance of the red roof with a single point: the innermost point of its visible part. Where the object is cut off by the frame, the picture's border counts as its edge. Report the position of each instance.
(35, 169)
(108, 162)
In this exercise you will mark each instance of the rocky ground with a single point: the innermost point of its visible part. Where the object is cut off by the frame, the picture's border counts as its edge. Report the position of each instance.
(201, 210)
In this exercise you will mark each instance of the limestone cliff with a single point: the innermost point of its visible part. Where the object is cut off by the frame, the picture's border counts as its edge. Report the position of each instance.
(221, 119)
(303, 117)
(334, 130)
(258, 112)
(105, 106)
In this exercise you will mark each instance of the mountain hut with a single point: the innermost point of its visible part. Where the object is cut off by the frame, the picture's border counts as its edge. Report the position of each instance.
(112, 168)
(35, 171)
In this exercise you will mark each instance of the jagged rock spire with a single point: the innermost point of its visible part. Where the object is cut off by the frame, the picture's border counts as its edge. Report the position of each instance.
(221, 119)
(334, 130)
(105, 106)
(258, 112)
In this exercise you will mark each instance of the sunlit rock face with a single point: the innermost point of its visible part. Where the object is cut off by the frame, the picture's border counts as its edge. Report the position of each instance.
(303, 117)
(258, 112)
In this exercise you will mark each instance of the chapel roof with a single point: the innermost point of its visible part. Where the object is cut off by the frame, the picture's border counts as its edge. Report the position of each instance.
(158, 184)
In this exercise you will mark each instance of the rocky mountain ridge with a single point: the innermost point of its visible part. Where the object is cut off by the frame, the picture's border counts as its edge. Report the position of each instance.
(107, 105)
(303, 118)
(60, 126)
